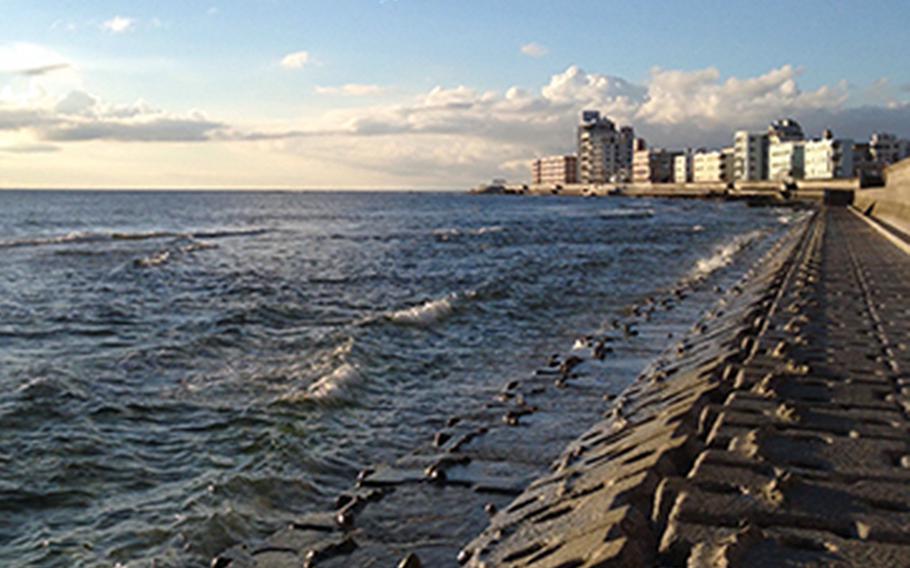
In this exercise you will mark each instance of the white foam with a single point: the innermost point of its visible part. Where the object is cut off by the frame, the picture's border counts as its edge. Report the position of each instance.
(426, 313)
(723, 255)
(446, 234)
(485, 230)
(156, 259)
(627, 213)
(697, 228)
(334, 386)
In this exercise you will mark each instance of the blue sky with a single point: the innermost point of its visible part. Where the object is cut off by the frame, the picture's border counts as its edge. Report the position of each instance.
(222, 60)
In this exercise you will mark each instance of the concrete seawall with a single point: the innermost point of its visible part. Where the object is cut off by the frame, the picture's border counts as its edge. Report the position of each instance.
(776, 191)
(776, 432)
(779, 437)
(889, 204)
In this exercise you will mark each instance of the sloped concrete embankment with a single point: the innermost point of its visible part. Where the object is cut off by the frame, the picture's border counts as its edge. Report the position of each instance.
(778, 436)
(891, 203)
(424, 506)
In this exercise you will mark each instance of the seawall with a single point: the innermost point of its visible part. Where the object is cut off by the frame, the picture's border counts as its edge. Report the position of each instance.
(891, 203)
(839, 190)
(778, 436)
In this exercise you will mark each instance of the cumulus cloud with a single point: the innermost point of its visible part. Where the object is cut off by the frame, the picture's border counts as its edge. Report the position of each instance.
(119, 24)
(80, 116)
(457, 135)
(351, 90)
(296, 60)
(473, 134)
(534, 49)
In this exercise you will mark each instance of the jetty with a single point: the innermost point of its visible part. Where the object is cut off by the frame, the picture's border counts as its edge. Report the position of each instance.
(774, 432)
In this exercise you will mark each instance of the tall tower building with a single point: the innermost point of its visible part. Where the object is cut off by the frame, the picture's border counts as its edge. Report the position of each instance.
(604, 152)
(750, 156)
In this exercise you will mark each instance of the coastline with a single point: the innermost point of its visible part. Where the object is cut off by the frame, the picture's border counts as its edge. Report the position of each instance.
(777, 437)
(482, 458)
(774, 431)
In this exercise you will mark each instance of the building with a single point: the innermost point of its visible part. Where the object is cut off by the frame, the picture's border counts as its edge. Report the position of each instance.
(654, 165)
(887, 149)
(682, 167)
(828, 158)
(604, 151)
(785, 130)
(556, 170)
(750, 156)
(864, 166)
(713, 166)
(786, 160)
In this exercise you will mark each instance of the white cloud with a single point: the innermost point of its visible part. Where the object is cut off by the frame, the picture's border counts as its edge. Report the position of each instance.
(351, 90)
(29, 59)
(296, 60)
(455, 136)
(465, 134)
(534, 49)
(80, 116)
(119, 24)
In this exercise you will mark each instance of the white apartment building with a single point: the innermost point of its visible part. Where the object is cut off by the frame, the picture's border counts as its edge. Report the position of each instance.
(682, 167)
(786, 160)
(554, 170)
(713, 166)
(653, 165)
(828, 158)
(750, 156)
(604, 152)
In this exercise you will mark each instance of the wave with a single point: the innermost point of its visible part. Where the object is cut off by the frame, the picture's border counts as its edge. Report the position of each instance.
(446, 234)
(628, 213)
(333, 387)
(143, 236)
(73, 237)
(163, 256)
(89, 237)
(156, 259)
(724, 255)
(218, 234)
(430, 311)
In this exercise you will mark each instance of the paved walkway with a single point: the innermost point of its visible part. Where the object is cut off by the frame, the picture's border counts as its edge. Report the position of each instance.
(781, 436)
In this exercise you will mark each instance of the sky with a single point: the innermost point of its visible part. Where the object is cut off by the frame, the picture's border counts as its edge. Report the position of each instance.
(383, 94)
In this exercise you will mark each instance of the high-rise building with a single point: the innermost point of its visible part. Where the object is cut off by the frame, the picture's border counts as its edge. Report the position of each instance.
(682, 167)
(785, 130)
(604, 152)
(750, 156)
(713, 166)
(786, 160)
(555, 170)
(828, 158)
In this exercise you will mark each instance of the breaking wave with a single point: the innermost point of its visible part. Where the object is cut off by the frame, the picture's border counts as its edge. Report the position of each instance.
(430, 311)
(446, 234)
(333, 387)
(76, 237)
(724, 255)
(156, 259)
(627, 213)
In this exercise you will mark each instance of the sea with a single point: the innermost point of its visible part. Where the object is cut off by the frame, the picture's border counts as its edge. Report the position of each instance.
(183, 371)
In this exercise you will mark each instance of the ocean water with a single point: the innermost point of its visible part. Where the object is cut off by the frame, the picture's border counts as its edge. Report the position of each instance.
(183, 371)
